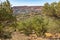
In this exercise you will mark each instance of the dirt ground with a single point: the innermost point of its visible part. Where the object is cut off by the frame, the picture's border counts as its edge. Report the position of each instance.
(20, 36)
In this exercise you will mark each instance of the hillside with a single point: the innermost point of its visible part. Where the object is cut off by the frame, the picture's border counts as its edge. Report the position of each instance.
(26, 9)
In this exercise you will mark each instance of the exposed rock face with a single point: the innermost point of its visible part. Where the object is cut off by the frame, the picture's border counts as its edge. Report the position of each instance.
(26, 9)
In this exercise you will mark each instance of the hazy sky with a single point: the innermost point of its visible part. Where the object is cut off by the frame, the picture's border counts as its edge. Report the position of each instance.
(30, 2)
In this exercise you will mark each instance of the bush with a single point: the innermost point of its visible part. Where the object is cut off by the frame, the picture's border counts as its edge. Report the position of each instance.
(36, 23)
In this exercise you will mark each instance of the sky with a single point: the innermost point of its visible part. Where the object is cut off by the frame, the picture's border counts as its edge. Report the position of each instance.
(30, 2)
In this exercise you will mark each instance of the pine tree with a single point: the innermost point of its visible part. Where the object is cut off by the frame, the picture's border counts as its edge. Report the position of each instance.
(7, 19)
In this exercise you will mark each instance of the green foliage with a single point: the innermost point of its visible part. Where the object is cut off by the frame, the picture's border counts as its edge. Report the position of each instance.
(36, 23)
(54, 26)
(7, 19)
(52, 9)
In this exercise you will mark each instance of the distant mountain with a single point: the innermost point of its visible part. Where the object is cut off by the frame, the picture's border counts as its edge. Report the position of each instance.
(26, 9)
